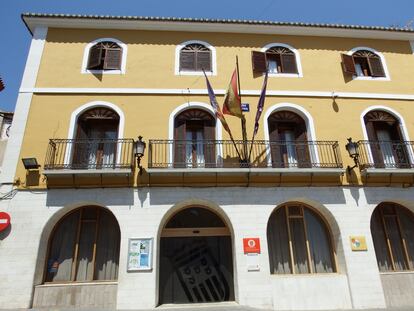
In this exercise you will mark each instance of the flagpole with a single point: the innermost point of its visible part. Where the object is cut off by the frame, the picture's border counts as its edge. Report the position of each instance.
(243, 119)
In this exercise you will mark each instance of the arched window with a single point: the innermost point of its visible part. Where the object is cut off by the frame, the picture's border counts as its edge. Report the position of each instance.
(194, 135)
(277, 59)
(364, 63)
(105, 55)
(195, 57)
(385, 140)
(288, 140)
(95, 145)
(299, 241)
(84, 246)
(392, 229)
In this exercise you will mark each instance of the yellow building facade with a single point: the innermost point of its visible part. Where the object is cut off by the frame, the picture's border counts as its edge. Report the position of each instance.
(177, 219)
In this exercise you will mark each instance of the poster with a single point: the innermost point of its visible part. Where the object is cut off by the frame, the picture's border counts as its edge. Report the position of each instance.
(140, 254)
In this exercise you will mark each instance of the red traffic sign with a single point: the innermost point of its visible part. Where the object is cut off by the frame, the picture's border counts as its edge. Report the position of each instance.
(251, 245)
(4, 221)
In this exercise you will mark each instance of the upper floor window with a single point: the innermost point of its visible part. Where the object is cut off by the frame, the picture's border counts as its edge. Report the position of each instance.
(277, 59)
(364, 63)
(105, 56)
(192, 57)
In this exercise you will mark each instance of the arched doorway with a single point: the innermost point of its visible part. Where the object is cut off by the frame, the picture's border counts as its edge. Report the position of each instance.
(196, 262)
(288, 140)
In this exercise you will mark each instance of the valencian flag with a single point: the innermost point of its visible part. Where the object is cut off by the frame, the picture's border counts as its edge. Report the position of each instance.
(232, 102)
(260, 105)
(216, 107)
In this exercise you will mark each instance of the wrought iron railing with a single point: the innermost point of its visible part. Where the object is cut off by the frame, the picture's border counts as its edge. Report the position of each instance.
(89, 154)
(223, 154)
(386, 154)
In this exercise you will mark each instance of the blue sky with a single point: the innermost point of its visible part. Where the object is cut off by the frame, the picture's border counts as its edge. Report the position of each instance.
(16, 39)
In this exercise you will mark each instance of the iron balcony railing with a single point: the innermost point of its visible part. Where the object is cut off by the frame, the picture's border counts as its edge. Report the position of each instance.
(386, 154)
(91, 154)
(223, 154)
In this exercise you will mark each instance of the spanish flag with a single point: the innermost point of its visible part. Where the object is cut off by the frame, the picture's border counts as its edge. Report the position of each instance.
(232, 102)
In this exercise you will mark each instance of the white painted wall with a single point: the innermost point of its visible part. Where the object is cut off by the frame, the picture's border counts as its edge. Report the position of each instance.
(139, 213)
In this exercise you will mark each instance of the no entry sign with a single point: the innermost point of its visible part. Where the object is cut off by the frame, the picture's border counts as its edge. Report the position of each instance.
(4, 221)
(251, 245)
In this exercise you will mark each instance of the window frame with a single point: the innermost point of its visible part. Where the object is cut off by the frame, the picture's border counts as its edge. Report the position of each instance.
(84, 68)
(383, 63)
(178, 49)
(297, 58)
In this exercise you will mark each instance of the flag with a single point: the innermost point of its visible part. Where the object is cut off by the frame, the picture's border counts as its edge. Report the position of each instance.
(232, 102)
(260, 105)
(216, 107)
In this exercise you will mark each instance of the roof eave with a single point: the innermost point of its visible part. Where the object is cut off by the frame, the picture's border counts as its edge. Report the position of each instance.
(32, 22)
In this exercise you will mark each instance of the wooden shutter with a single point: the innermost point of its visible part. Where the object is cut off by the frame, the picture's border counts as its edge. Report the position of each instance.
(203, 59)
(289, 63)
(374, 145)
(80, 155)
(187, 61)
(95, 55)
(275, 146)
(259, 62)
(112, 59)
(179, 143)
(302, 147)
(348, 64)
(375, 66)
(209, 144)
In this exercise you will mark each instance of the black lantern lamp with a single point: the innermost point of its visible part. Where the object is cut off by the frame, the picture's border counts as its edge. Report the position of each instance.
(30, 163)
(139, 151)
(352, 148)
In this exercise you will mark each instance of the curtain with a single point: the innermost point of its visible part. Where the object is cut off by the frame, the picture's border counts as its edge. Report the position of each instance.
(107, 248)
(278, 243)
(297, 233)
(86, 243)
(289, 137)
(319, 243)
(407, 224)
(380, 243)
(59, 265)
(386, 148)
(396, 242)
(109, 148)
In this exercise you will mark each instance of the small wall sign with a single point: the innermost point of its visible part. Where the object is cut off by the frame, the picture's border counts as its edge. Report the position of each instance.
(251, 245)
(245, 107)
(139, 254)
(358, 243)
(4, 221)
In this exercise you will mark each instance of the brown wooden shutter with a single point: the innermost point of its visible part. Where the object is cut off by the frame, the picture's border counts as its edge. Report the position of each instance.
(203, 60)
(259, 62)
(375, 66)
(187, 61)
(374, 145)
(179, 144)
(113, 59)
(209, 144)
(348, 64)
(289, 63)
(275, 146)
(95, 55)
(302, 147)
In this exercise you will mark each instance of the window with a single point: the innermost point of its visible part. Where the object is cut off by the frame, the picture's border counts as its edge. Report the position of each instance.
(386, 142)
(299, 241)
(84, 246)
(288, 140)
(276, 59)
(96, 140)
(392, 229)
(194, 135)
(105, 55)
(363, 63)
(195, 57)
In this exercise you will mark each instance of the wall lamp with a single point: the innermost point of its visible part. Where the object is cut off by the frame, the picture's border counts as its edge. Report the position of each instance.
(30, 163)
(352, 148)
(139, 151)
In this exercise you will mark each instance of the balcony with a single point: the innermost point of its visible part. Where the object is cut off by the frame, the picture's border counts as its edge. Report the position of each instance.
(386, 157)
(88, 160)
(215, 158)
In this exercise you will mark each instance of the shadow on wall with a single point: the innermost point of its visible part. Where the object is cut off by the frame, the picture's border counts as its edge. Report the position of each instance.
(403, 196)
(105, 197)
(246, 196)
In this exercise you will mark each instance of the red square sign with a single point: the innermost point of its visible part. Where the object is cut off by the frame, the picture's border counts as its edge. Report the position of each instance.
(251, 245)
